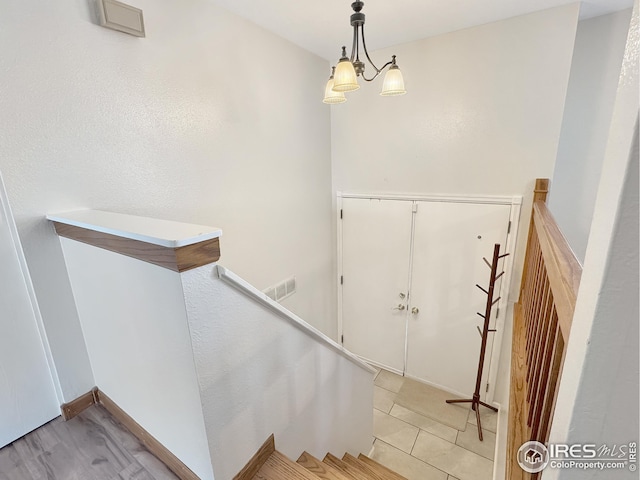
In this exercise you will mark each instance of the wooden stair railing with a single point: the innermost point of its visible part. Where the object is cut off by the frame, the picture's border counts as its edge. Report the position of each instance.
(541, 327)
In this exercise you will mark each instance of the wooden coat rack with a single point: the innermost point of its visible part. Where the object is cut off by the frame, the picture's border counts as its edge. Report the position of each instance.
(475, 401)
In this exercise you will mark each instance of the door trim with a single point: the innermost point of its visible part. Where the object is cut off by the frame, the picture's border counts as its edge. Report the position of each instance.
(35, 307)
(492, 199)
(414, 211)
(503, 304)
(339, 269)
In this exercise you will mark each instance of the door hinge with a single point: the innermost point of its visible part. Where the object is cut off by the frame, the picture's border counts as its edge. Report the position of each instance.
(509, 227)
(341, 279)
(340, 214)
(415, 208)
(497, 312)
(487, 390)
(342, 339)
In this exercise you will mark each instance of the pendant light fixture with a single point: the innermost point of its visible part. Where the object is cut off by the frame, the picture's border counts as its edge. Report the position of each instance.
(331, 96)
(344, 77)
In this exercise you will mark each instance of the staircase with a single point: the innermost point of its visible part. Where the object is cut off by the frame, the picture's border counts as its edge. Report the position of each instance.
(270, 464)
(279, 467)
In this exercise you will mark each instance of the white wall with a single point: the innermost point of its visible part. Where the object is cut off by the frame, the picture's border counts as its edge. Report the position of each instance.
(137, 335)
(595, 68)
(482, 114)
(208, 120)
(260, 375)
(598, 397)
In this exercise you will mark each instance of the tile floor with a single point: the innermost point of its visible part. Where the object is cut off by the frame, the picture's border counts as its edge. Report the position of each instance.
(425, 438)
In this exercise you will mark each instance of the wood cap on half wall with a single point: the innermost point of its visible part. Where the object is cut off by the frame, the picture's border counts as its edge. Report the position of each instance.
(172, 245)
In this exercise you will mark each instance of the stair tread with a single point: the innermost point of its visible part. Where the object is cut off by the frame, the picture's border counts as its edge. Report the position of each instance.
(389, 474)
(279, 467)
(321, 470)
(364, 468)
(344, 467)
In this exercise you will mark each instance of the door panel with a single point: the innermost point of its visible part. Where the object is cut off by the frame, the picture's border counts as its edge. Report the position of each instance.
(376, 240)
(27, 393)
(450, 240)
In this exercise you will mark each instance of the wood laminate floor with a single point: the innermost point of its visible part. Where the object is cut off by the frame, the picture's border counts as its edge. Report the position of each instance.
(91, 446)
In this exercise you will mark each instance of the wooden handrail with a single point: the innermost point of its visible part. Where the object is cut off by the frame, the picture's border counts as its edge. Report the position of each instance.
(563, 268)
(541, 327)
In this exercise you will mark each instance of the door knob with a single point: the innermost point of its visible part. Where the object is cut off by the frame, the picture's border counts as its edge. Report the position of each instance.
(402, 295)
(399, 307)
(415, 310)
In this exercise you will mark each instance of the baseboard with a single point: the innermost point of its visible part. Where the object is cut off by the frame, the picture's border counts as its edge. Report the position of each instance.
(373, 448)
(95, 396)
(154, 446)
(258, 459)
(77, 406)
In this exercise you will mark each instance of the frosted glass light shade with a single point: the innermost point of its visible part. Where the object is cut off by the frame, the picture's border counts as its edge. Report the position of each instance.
(331, 96)
(345, 79)
(393, 83)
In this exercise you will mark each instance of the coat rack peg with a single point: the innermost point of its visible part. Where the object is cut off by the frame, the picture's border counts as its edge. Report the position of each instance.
(480, 314)
(484, 333)
(491, 330)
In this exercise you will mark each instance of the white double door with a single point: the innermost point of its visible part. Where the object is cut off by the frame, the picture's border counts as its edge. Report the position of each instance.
(409, 295)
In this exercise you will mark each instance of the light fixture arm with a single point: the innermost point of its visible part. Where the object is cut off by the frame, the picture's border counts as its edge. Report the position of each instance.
(366, 52)
(378, 70)
(357, 21)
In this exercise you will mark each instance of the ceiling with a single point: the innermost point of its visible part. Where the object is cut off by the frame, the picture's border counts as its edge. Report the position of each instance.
(322, 26)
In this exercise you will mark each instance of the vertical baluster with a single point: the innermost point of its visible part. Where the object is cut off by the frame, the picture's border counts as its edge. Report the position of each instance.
(531, 270)
(542, 360)
(530, 264)
(531, 320)
(541, 433)
(537, 259)
(539, 337)
(536, 334)
(535, 320)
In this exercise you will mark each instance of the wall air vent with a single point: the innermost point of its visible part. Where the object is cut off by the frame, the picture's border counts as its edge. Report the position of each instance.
(281, 290)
